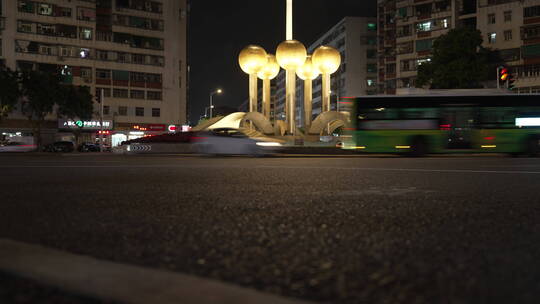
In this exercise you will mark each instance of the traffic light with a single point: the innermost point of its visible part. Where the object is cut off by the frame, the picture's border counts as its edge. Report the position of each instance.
(503, 76)
(510, 82)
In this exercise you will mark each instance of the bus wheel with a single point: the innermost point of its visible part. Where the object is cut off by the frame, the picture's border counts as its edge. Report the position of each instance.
(419, 147)
(533, 146)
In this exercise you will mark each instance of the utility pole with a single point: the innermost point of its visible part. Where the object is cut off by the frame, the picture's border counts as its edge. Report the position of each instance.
(102, 98)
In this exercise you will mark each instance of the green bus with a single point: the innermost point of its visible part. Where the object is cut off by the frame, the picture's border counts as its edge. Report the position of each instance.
(418, 125)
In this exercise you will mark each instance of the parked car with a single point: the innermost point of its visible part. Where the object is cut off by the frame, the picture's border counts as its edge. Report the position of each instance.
(15, 146)
(235, 141)
(88, 147)
(60, 146)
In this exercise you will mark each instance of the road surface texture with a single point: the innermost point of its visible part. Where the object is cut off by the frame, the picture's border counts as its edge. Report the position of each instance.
(329, 230)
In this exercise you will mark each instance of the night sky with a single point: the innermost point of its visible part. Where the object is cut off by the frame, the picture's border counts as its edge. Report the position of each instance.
(219, 30)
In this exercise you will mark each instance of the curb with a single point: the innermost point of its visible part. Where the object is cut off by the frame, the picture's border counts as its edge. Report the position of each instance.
(120, 282)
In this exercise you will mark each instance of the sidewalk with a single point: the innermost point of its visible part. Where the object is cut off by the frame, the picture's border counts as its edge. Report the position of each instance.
(104, 280)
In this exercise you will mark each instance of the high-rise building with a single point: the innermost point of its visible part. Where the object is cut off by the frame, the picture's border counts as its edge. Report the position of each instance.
(133, 50)
(407, 29)
(356, 40)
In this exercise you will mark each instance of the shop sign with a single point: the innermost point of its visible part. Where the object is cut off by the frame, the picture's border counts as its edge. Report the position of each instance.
(149, 127)
(84, 124)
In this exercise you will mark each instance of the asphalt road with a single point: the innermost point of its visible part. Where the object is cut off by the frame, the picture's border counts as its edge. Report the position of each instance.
(332, 230)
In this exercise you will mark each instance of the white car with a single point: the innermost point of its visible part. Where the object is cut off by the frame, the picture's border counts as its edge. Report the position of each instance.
(235, 141)
(17, 147)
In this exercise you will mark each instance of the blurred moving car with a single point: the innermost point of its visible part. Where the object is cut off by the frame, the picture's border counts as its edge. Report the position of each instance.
(17, 147)
(88, 147)
(60, 146)
(235, 141)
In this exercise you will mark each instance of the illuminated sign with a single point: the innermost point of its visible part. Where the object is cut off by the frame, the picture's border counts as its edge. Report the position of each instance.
(84, 124)
(186, 128)
(528, 121)
(149, 127)
(172, 128)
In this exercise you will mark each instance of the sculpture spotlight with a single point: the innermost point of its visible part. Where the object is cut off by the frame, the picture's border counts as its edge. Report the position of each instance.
(308, 72)
(267, 73)
(327, 59)
(290, 55)
(252, 59)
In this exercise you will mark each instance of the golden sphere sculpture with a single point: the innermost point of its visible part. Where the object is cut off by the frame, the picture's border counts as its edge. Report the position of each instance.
(327, 59)
(308, 71)
(291, 54)
(252, 58)
(270, 69)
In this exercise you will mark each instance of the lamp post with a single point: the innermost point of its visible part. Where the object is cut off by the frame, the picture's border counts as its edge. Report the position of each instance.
(218, 91)
(291, 55)
(327, 59)
(308, 72)
(267, 73)
(252, 59)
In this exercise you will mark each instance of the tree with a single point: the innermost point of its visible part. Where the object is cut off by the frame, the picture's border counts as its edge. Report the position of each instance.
(459, 61)
(9, 91)
(76, 103)
(41, 92)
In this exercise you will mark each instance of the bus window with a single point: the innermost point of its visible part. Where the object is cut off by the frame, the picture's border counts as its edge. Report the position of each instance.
(497, 118)
(460, 122)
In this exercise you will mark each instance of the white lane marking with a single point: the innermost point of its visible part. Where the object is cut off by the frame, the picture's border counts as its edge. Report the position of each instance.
(275, 167)
(120, 282)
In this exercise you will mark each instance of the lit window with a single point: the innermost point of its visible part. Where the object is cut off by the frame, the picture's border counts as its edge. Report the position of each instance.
(445, 23)
(424, 26)
(45, 9)
(422, 61)
(84, 53)
(492, 37)
(85, 33)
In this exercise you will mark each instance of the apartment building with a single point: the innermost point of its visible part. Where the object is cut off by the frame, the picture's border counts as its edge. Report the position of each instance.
(133, 50)
(356, 39)
(407, 29)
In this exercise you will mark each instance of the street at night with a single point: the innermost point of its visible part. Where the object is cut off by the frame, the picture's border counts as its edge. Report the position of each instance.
(343, 229)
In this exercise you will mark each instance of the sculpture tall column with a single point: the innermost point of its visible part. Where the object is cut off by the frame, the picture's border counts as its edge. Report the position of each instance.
(308, 72)
(267, 73)
(291, 55)
(252, 59)
(327, 59)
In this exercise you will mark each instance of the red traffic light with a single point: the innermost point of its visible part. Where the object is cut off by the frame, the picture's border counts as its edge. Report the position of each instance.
(504, 74)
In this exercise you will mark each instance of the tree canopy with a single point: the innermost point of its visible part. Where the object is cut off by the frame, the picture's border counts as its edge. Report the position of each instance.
(9, 91)
(42, 92)
(458, 62)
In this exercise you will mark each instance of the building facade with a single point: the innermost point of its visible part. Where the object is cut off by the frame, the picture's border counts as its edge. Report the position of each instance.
(407, 29)
(133, 50)
(356, 40)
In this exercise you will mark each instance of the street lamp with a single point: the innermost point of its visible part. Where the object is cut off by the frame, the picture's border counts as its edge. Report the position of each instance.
(308, 72)
(252, 59)
(218, 91)
(291, 55)
(267, 73)
(327, 59)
